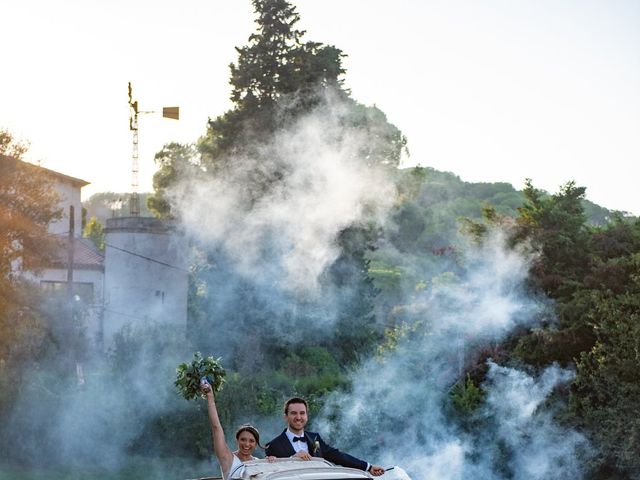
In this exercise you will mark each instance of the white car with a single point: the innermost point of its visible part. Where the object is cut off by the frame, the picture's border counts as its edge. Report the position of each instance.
(294, 469)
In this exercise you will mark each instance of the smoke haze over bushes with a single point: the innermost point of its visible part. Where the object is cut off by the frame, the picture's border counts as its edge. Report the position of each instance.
(397, 412)
(318, 184)
(271, 226)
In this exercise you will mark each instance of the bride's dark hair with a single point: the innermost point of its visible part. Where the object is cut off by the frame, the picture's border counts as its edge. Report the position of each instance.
(252, 430)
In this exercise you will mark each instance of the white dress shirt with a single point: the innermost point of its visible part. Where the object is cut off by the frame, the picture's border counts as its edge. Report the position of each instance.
(300, 445)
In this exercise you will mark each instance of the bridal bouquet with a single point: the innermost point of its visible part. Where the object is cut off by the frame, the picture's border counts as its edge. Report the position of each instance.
(189, 376)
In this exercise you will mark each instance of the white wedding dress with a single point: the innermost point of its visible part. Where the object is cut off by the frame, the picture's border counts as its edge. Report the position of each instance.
(236, 470)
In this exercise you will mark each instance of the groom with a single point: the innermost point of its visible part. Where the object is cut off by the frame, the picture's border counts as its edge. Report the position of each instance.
(295, 442)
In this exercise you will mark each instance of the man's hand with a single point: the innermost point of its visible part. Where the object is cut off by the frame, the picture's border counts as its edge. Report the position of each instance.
(302, 455)
(376, 470)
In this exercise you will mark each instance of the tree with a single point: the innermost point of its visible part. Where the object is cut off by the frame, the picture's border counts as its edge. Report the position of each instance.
(607, 382)
(277, 79)
(276, 62)
(607, 385)
(591, 273)
(176, 161)
(28, 204)
(106, 205)
(94, 231)
(556, 227)
(357, 328)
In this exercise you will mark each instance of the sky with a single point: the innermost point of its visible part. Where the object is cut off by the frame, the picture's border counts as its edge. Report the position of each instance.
(493, 91)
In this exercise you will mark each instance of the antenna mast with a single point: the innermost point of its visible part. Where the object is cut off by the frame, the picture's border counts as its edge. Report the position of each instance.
(167, 112)
(134, 201)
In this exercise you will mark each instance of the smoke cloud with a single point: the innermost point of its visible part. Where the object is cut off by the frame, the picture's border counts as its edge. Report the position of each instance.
(399, 409)
(287, 235)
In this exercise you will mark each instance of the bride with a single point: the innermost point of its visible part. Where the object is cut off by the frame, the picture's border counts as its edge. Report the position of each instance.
(247, 439)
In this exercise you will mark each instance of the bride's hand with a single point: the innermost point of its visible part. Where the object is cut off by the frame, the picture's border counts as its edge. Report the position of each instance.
(205, 387)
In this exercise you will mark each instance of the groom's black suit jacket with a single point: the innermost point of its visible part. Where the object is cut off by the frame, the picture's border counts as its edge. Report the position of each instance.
(281, 447)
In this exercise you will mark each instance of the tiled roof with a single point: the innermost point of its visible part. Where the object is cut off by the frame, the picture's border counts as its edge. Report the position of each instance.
(85, 254)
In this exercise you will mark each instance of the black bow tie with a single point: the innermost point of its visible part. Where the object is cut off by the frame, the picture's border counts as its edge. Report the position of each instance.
(298, 439)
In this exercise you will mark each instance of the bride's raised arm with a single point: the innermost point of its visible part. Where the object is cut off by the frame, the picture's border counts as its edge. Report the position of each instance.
(220, 447)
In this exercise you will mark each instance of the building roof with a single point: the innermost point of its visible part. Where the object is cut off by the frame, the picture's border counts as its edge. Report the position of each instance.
(65, 178)
(51, 173)
(85, 255)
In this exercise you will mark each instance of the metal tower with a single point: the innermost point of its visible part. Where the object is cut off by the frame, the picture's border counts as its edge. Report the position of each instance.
(134, 201)
(167, 112)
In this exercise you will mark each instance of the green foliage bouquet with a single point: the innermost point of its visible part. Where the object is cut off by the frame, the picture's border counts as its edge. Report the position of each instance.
(189, 376)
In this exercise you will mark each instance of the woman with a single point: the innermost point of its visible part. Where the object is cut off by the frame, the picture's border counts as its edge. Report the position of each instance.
(247, 437)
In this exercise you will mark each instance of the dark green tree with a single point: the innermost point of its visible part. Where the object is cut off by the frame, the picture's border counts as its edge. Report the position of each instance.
(607, 385)
(357, 329)
(591, 273)
(276, 62)
(277, 79)
(556, 227)
(607, 380)
(175, 161)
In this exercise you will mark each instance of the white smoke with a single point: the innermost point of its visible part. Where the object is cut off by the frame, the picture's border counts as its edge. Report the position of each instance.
(542, 449)
(398, 403)
(289, 234)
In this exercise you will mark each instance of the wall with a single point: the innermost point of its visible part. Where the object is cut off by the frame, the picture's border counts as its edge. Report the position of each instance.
(69, 195)
(145, 275)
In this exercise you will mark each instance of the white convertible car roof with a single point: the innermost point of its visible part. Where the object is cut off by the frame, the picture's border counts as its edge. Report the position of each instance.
(294, 469)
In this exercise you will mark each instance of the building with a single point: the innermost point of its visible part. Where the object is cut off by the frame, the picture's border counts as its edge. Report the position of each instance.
(140, 277)
(77, 260)
(145, 274)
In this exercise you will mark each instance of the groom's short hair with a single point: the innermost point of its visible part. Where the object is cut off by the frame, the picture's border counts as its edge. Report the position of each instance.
(295, 400)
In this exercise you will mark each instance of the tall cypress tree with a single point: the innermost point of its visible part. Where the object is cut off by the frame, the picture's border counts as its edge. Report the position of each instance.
(277, 78)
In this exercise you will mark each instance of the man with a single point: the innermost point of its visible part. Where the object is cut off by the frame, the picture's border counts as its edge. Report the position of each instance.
(295, 442)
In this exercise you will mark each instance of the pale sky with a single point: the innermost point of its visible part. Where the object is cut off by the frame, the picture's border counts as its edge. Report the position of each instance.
(491, 90)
